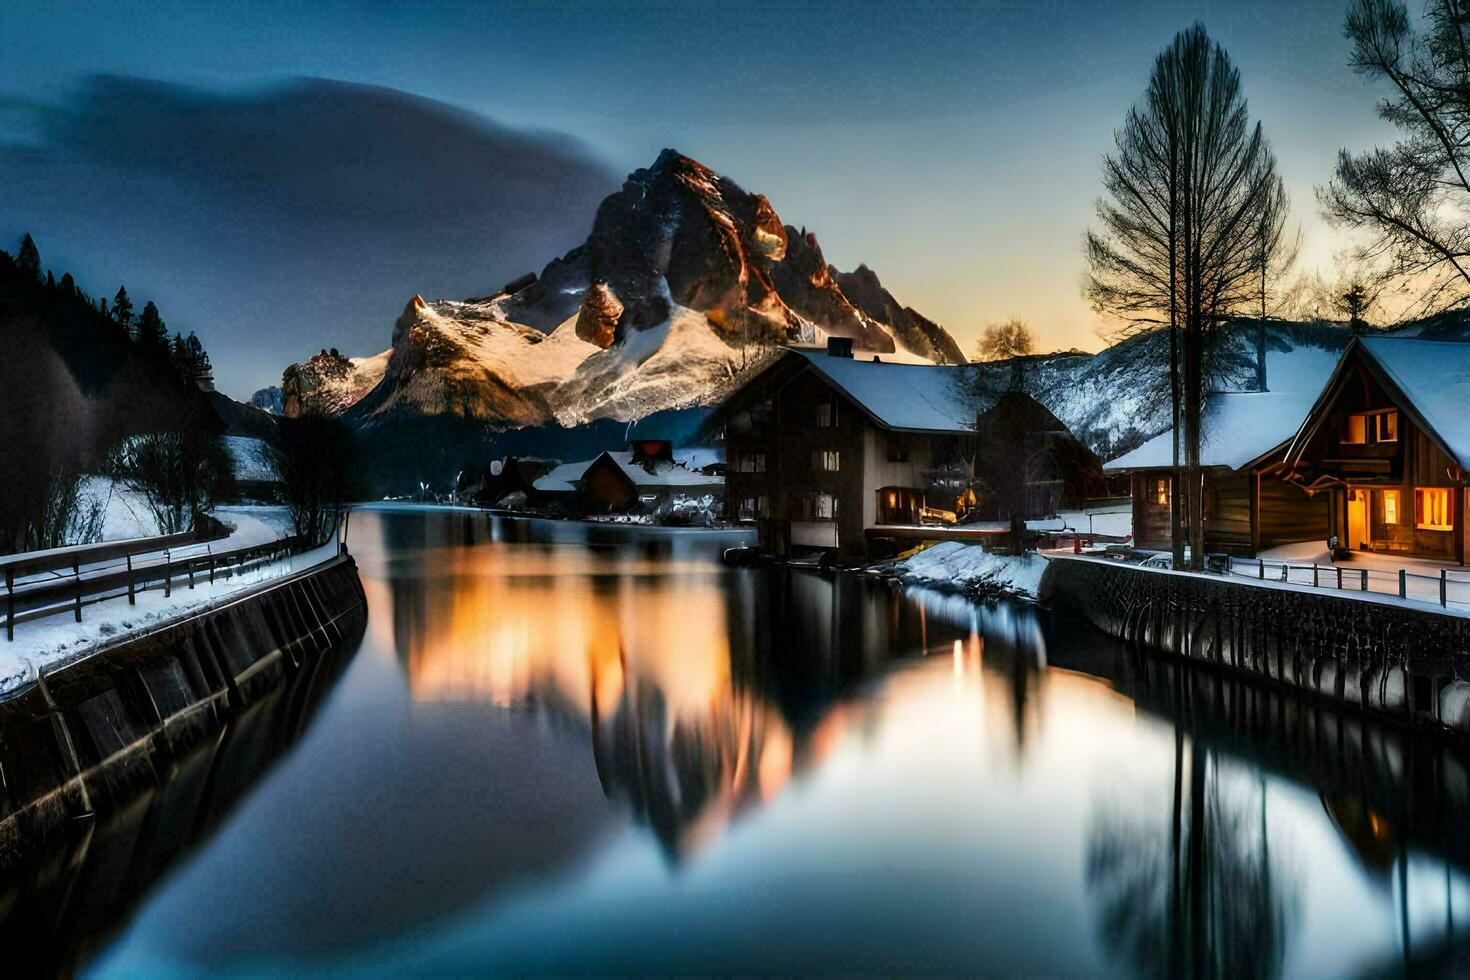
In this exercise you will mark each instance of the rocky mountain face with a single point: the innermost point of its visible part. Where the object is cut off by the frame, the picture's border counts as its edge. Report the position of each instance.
(685, 281)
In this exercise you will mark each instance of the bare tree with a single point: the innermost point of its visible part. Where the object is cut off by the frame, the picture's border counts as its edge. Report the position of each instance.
(1412, 200)
(1190, 227)
(1009, 341)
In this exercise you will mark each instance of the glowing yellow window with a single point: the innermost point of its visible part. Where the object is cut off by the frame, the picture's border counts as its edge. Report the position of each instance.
(1387, 429)
(1161, 492)
(1390, 506)
(1432, 509)
(1357, 429)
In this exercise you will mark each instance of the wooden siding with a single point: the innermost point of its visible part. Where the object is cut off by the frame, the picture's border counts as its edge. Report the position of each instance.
(1228, 512)
(1285, 513)
(1150, 518)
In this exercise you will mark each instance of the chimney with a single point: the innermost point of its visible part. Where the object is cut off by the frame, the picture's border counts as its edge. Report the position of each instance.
(839, 347)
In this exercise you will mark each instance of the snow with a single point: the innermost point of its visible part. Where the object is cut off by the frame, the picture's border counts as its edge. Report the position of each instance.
(1115, 520)
(1435, 376)
(1242, 426)
(252, 459)
(52, 641)
(906, 397)
(699, 457)
(958, 567)
(664, 475)
(680, 363)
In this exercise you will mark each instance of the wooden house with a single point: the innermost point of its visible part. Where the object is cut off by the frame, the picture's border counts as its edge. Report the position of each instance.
(1385, 448)
(1248, 507)
(825, 451)
(643, 476)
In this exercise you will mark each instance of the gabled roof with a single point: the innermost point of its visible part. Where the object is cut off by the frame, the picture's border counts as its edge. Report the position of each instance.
(564, 478)
(1240, 428)
(1428, 379)
(902, 397)
(1434, 375)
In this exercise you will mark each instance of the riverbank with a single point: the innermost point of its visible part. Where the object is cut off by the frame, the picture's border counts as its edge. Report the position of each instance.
(94, 735)
(968, 569)
(1395, 658)
(51, 642)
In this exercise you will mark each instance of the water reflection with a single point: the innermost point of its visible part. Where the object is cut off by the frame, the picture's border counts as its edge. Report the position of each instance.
(572, 749)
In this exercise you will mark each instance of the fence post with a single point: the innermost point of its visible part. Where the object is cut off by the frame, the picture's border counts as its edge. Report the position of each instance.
(132, 594)
(1442, 601)
(210, 552)
(1339, 578)
(1315, 583)
(1364, 573)
(1262, 563)
(190, 567)
(1403, 583)
(10, 604)
(168, 576)
(76, 572)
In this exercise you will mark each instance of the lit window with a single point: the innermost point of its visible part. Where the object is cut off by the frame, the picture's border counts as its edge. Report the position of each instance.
(1366, 427)
(1432, 509)
(1161, 492)
(820, 506)
(1386, 427)
(1390, 506)
(826, 460)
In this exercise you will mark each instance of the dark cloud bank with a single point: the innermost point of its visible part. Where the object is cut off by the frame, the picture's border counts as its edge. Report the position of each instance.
(282, 220)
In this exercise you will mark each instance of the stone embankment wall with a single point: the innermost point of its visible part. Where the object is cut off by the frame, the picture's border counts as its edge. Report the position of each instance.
(97, 736)
(1393, 659)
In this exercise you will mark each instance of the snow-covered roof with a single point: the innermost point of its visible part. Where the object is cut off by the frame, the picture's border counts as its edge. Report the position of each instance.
(1239, 428)
(662, 473)
(912, 397)
(563, 479)
(1434, 375)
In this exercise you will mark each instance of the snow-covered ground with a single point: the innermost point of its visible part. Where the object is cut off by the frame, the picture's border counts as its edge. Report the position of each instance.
(953, 566)
(55, 640)
(1380, 573)
(1116, 520)
(251, 458)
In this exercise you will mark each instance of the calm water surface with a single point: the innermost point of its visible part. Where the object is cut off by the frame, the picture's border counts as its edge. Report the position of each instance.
(562, 749)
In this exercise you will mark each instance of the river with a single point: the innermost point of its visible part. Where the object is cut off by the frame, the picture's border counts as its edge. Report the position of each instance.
(568, 748)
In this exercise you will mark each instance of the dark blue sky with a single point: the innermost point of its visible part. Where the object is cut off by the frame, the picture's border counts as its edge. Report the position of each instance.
(953, 147)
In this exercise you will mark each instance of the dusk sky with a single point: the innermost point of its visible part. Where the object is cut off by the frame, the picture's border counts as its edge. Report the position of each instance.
(954, 148)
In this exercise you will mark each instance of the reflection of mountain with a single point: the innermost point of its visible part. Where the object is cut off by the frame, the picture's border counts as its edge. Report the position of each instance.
(701, 690)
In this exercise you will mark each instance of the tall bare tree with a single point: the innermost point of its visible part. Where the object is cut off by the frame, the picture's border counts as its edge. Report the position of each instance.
(1192, 219)
(1412, 200)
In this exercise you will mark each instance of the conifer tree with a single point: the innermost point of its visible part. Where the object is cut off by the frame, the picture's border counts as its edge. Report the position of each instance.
(29, 259)
(122, 308)
(152, 331)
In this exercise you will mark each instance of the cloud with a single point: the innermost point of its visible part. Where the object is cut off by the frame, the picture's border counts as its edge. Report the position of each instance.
(280, 220)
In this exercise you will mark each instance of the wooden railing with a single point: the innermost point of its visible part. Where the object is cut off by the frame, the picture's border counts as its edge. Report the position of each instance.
(48, 583)
(1450, 587)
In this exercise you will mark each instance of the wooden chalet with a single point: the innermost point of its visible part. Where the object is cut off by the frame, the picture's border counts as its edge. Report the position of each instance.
(1248, 507)
(644, 475)
(828, 452)
(1385, 448)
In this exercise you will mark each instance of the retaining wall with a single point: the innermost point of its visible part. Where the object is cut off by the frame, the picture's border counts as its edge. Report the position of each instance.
(91, 739)
(1393, 659)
